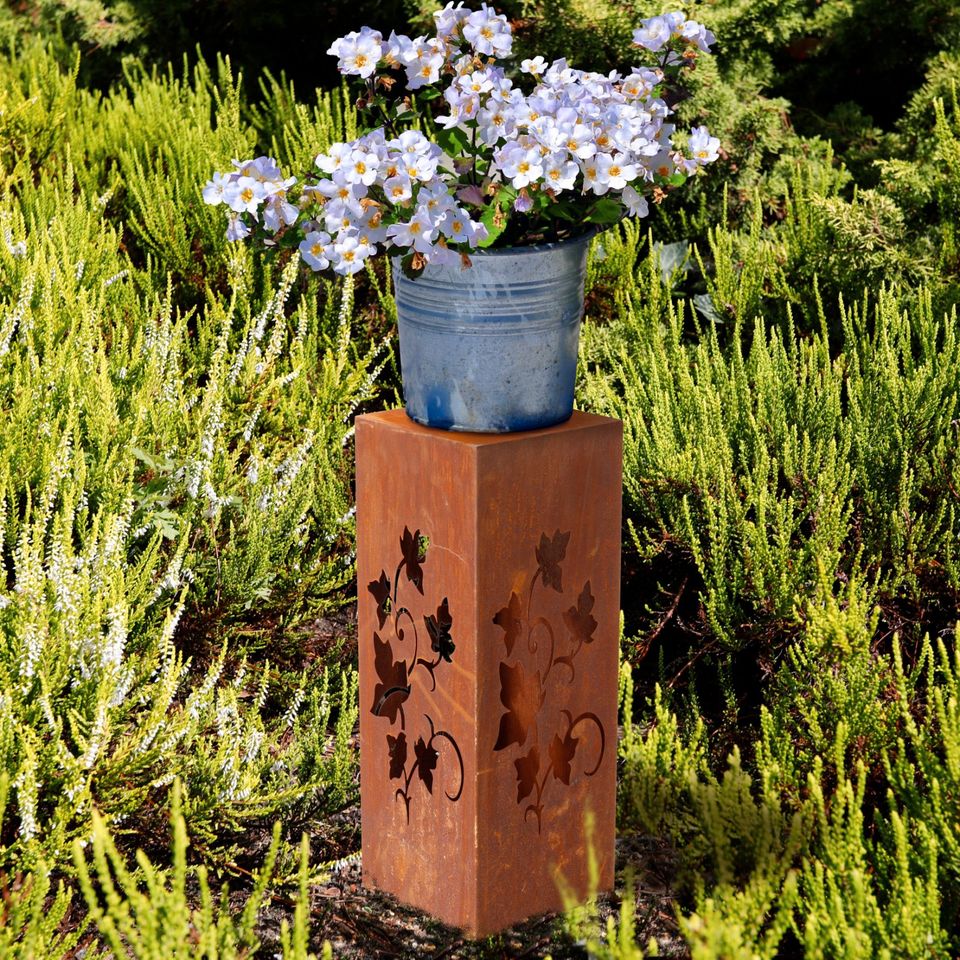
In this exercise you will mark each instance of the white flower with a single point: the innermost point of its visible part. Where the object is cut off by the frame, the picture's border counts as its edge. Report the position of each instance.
(702, 146)
(333, 160)
(423, 61)
(349, 255)
(488, 32)
(315, 248)
(362, 167)
(699, 34)
(358, 53)
(653, 33)
(237, 229)
(449, 18)
(459, 228)
(635, 203)
(213, 189)
(398, 189)
(559, 172)
(520, 165)
(417, 233)
(244, 195)
(620, 172)
(534, 66)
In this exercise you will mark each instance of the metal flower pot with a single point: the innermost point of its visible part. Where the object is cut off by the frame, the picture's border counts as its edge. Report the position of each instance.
(493, 348)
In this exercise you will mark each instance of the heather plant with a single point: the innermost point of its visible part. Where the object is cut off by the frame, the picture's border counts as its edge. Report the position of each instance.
(174, 487)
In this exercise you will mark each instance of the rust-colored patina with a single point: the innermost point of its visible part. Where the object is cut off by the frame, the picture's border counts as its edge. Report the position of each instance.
(489, 601)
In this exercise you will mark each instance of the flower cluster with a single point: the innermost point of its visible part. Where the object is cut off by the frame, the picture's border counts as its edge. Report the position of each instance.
(559, 147)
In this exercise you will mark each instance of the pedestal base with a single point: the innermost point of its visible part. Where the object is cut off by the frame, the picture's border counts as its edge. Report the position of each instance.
(488, 571)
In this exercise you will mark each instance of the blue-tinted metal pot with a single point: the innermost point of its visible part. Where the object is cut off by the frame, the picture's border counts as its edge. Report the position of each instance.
(493, 348)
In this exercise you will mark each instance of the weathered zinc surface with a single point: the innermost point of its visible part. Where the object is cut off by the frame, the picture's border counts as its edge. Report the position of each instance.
(488, 573)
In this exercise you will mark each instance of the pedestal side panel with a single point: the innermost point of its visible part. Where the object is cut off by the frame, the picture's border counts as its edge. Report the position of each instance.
(548, 600)
(416, 565)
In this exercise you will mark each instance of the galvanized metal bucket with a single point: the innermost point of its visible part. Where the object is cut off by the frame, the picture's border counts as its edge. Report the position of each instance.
(493, 348)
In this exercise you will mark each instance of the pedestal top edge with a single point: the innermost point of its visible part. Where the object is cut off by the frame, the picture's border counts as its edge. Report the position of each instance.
(398, 420)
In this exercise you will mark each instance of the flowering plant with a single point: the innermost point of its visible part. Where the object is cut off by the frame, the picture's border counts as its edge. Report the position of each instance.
(496, 165)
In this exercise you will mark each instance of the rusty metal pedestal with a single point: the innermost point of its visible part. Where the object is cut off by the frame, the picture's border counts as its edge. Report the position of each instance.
(489, 571)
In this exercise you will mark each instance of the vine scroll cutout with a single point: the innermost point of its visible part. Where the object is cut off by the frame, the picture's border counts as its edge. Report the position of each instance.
(523, 688)
(393, 689)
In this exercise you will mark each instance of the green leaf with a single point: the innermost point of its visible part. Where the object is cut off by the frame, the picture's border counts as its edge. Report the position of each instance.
(605, 210)
(496, 214)
(452, 142)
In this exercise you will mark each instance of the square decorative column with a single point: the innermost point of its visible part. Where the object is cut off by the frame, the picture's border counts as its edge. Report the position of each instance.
(489, 603)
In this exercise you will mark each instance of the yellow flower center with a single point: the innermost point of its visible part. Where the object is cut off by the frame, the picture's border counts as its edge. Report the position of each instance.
(246, 194)
(316, 250)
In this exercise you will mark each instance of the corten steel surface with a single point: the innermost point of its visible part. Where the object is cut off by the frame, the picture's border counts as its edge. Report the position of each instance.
(489, 572)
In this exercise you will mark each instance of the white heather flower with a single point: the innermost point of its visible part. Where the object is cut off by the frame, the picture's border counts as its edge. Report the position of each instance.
(358, 53)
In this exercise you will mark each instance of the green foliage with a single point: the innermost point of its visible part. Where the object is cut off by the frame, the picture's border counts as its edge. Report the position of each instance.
(754, 459)
(148, 915)
(175, 492)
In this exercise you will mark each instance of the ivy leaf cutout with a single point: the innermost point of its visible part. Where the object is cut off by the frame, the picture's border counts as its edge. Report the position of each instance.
(392, 689)
(520, 694)
(528, 768)
(550, 555)
(509, 620)
(381, 593)
(578, 619)
(439, 629)
(426, 762)
(398, 755)
(561, 755)
(410, 548)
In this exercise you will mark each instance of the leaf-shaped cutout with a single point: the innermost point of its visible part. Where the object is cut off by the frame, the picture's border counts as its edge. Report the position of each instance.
(381, 593)
(550, 555)
(528, 769)
(439, 629)
(410, 548)
(509, 619)
(562, 753)
(520, 694)
(392, 690)
(397, 746)
(578, 619)
(426, 762)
